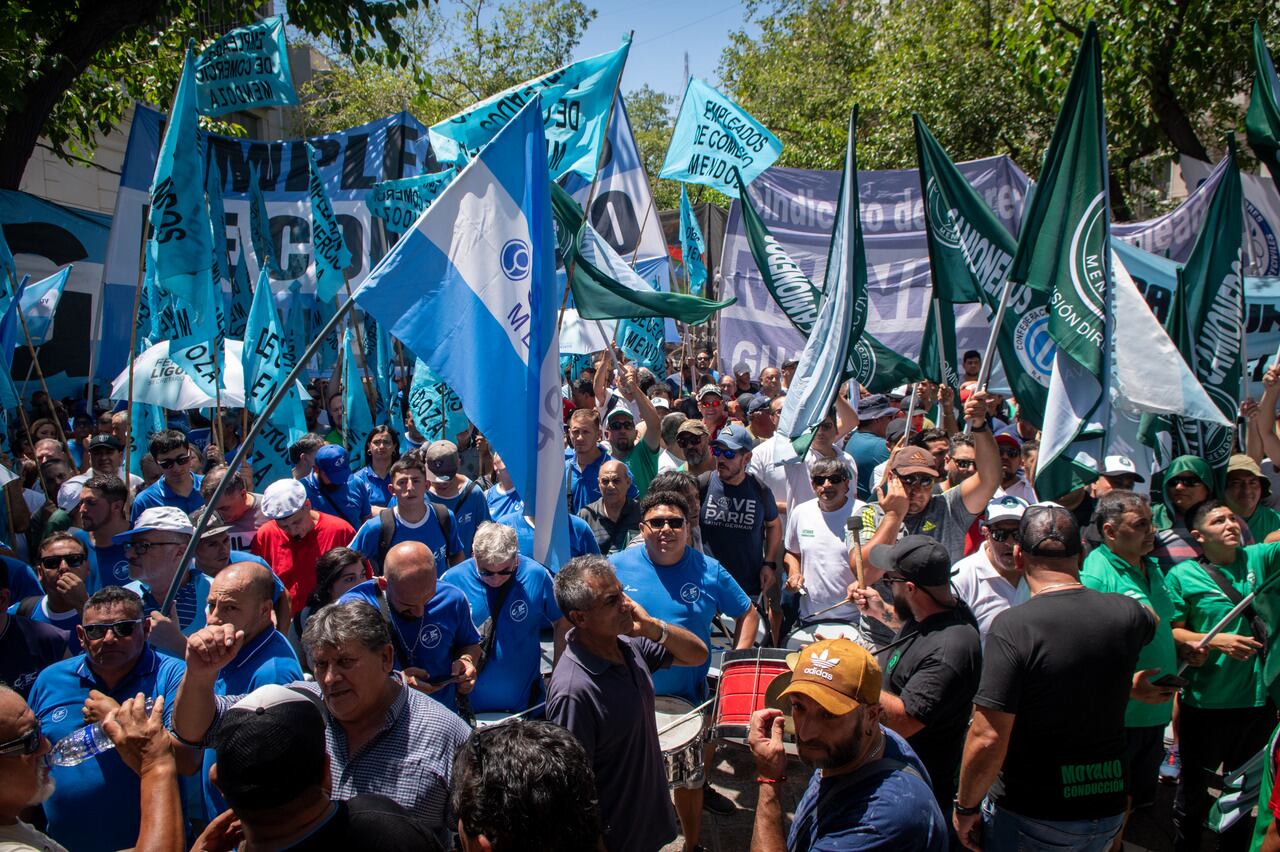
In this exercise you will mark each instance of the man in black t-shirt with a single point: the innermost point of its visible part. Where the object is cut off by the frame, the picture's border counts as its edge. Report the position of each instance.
(273, 769)
(933, 665)
(26, 646)
(1046, 747)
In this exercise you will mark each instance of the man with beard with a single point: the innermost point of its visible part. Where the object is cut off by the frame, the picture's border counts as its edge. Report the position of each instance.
(694, 440)
(987, 580)
(583, 459)
(934, 670)
(1187, 482)
(1012, 479)
(711, 404)
(869, 790)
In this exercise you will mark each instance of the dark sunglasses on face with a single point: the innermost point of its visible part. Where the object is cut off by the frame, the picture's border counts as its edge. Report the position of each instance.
(660, 523)
(918, 480)
(723, 452)
(1183, 482)
(507, 572)
(122, 629)
(819, 481)
(168, 463)
(615, 425)
(1010, 452)
(711, 403)
(963, 464)
(686, 441)
(51, 563)
(28, 743)
(1000, 535)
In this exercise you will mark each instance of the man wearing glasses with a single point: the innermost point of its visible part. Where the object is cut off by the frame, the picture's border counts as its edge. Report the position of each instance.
(63, 567)
(177, 486)
(639, 452)
(96, 804)
(153, 548)
(693, 438)
(987, 580)
(711, 404)
(908, 505)
(512, 600)
(1012, 480)
(817, 558)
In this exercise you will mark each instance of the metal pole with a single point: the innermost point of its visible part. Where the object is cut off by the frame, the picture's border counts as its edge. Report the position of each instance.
(984, 372)
(245, 444)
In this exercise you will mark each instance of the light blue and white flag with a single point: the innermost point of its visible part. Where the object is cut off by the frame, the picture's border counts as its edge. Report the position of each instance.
(713, 136)
(178, 215)
(436, 410)
(246, 68)
(40, 303)
(357, 419)
(8, 342)
(471, 290)
(575, 110)
(399, 203)
(266, 361)
(328, 246)
(691, 246)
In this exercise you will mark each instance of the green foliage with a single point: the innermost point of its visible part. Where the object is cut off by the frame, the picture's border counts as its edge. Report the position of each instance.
(988, 77)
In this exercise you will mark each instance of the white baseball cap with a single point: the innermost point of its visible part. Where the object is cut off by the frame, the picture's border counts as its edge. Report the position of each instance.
(282, 498)
(1005, 508)
(158, 519)
(1120, 466)
(69, 495)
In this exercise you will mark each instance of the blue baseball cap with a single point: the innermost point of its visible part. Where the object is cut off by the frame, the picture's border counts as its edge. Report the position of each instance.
(734, 437)
(332, 462)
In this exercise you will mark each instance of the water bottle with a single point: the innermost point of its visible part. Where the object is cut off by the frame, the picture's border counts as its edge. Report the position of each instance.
(83, 743)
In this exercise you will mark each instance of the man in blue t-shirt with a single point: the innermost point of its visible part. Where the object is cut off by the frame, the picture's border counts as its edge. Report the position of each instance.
(500, 580)
(869, 790)
(331, 489)
(433, 634)
(63, 566)
(241, 596)
(455, 492)
(414, 519)
(677, 584)
(582, 460)
(177, 486)
(867, 445)
(103, 501)
(506, 508)
(96, 804)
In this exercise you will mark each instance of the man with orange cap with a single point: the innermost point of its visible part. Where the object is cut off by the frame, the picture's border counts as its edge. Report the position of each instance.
(869, 789)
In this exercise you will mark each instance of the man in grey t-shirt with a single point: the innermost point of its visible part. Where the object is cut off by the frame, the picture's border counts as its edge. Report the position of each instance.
(908, 505)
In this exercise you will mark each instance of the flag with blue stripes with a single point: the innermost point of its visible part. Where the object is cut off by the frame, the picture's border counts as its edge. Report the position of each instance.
(471, 290)
(40, 303)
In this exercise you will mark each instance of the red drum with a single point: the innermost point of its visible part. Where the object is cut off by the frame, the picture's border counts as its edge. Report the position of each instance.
(745, 675)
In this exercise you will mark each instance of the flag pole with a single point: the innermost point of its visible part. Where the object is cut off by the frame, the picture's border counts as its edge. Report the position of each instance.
(35, 362)
(591, 191)
(911, 413)
(1228, 618)
(246, 442)
(133, 334)
(984, 372)
(942, 356)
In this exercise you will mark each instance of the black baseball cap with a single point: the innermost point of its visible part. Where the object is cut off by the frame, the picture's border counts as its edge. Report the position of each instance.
(920, 559)
(270, 748)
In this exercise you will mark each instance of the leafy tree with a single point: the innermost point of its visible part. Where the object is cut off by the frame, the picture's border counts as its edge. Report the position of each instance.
(73, 67)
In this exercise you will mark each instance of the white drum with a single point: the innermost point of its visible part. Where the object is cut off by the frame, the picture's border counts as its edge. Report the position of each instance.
(806, 634)
(681, 741)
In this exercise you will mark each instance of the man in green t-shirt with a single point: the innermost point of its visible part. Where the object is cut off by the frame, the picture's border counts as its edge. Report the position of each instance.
(1121, 564)
(639, 453)
(1245, 490)
(1225, 714)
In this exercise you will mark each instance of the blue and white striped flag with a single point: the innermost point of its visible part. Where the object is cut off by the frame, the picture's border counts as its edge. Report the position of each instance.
(40, 303)
(471, 290)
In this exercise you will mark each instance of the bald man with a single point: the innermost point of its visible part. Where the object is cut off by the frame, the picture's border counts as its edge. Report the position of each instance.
(437, 646)
(240, 596)
(614, 518)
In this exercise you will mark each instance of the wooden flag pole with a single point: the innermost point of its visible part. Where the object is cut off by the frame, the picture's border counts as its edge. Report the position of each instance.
(35, 361)
(133, 338)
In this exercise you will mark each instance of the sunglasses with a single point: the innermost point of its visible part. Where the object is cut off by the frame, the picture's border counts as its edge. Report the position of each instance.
(964, 464)
(122, 629)
(144, 547)
(660, 523)
(819, 481)
(917, 480)
(28, 743)
(1010, 452)
(1000, 535)
(168, 463)
(621, 424)
(686, 441)
(504, 573)
(714, 402)
(51, 563)
(1183, 482)
(724, 452)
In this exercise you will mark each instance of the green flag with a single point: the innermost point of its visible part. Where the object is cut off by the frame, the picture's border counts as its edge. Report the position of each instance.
(599, 294)
(1065, 252)
(969, 256)
(1262, 122)
(874, 365)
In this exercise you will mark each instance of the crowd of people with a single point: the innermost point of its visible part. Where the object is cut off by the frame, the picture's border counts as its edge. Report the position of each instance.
(372, 658)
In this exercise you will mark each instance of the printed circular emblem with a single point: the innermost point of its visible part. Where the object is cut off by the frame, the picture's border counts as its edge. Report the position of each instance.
(940, 222)
(58, 714)
(1263, 250)
(516, 260)
(121, 571)
(1088, 273)
(519, 611)
(1034, 346)
(430, 636)
(689, 593)
(864, 361)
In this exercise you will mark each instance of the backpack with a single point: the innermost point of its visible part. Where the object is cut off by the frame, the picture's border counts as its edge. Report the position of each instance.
(387, 519)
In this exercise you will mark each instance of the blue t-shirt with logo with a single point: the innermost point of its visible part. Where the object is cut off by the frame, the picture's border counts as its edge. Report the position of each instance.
(468, 515)
(159, 493)
(113, 566)
(511, 679)
(426, 531)
(67, 621)
(96, 804)
(433, 641)
(732, 520)
(687, 594)
(349, 501)
(502, 503)
(376, 488)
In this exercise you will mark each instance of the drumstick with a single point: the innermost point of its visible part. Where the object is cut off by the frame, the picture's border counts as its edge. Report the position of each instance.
(809, 618)
(680, 720)
(854, 525)
(526, 712)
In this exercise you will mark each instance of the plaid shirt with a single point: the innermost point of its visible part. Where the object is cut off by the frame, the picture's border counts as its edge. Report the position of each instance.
(409, 760)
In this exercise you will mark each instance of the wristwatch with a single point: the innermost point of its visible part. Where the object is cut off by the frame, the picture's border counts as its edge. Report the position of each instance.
(963, 811)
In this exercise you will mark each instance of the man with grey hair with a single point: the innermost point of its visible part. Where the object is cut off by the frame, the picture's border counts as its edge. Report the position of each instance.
(512, 601)
(382, 737)
(602, 691)
(614, 518)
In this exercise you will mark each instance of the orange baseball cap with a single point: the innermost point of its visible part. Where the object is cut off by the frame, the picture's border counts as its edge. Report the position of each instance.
(839, 674)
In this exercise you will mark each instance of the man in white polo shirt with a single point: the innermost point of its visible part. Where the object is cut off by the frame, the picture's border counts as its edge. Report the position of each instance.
(987, 579)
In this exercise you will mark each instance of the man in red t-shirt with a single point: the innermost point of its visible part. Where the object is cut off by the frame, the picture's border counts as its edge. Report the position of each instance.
(296, 536)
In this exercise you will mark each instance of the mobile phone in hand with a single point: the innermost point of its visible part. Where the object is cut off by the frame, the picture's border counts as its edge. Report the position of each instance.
(1170, 681)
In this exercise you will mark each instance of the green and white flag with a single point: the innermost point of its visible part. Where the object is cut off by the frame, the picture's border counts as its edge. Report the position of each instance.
(969, 256)
(1065, 252)
(1206, 323)
(1262, 122)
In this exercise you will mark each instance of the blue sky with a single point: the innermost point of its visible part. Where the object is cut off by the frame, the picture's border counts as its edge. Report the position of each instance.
(664, 31)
